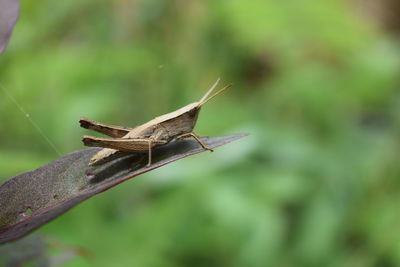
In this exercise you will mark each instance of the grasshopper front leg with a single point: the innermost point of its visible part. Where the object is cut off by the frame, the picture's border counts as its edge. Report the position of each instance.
(197, 138)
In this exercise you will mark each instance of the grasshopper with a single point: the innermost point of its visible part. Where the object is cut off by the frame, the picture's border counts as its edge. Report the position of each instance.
(159, 131)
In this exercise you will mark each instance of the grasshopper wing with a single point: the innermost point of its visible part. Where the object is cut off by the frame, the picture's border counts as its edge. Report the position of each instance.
(110, 130)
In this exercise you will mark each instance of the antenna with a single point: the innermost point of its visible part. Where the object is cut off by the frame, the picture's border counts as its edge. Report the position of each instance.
(210, 90)
(204, 100)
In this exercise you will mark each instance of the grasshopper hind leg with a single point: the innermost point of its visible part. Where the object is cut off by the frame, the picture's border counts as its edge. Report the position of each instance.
(112, 145)
(153, 139)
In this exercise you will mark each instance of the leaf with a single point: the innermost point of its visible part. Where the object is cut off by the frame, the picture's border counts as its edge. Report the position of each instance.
(34, 198)
(9, 11)
(39, 250)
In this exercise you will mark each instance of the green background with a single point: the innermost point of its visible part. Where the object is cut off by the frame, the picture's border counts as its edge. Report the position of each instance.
(316, 85)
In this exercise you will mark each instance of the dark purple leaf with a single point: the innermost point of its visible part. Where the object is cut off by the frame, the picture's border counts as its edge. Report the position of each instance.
(39, 250)
(30, 250)
(9, 10)
(34, 198)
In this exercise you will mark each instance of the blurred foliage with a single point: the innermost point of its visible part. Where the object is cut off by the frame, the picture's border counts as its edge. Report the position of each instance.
(316, 85)
(38, 251)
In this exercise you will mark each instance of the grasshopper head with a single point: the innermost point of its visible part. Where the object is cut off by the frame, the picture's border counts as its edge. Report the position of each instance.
(190, 111)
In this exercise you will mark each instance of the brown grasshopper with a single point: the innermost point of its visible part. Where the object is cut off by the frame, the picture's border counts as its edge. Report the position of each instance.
(159, 131)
